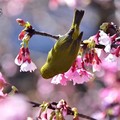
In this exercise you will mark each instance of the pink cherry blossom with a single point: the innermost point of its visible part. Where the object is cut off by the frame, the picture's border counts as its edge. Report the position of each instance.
(62, 105)
(72, 74)
(84, 76)
(60, 78)
(24, 61)
(78, 76)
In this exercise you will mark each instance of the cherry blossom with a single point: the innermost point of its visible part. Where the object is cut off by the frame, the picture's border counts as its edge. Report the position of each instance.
(104, 39)
(23, 58)
(28, 66)
(24, 61)
(59, 79)
(80, 76)
(62, 105)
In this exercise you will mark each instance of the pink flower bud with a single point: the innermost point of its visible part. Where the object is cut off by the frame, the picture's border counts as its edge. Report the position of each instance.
(21, 22)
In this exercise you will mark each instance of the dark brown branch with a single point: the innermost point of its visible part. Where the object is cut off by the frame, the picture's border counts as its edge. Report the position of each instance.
(53, 107)
(34, 104)
(46, 34)
(86, 117)
(70, 112)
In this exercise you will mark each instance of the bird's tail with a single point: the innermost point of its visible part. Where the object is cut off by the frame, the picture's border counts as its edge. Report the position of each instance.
(78, 15)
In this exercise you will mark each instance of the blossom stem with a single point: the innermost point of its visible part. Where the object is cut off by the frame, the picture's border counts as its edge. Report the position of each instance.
(53, 107)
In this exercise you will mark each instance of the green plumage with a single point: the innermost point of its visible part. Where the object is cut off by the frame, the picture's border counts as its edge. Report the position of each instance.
(64, 52)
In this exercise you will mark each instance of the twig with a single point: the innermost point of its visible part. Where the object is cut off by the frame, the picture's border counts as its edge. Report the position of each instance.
(46, 34)
(34, 104)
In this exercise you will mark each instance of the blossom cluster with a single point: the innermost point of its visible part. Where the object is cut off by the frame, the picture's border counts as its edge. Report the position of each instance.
(61, 110)
(23, 58)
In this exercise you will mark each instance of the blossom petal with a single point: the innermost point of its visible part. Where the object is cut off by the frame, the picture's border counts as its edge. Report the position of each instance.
(26, 66)
(18, 61)
(59, 79)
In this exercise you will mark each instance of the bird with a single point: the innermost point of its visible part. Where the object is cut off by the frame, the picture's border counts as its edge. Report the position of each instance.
(64, 52)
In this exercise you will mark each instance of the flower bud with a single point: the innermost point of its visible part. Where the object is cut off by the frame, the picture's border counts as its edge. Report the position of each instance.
(21, 22)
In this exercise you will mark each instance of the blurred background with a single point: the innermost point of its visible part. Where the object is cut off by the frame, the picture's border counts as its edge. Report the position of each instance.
(54, 17)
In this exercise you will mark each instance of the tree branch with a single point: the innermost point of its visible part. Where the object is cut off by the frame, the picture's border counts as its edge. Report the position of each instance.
(46, 34)
(34, 32)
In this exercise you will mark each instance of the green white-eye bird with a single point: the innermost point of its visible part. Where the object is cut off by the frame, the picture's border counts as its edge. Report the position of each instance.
(64, 52)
